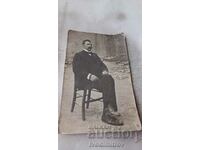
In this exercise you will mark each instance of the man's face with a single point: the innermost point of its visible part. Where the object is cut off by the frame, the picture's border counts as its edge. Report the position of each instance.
(88, 45)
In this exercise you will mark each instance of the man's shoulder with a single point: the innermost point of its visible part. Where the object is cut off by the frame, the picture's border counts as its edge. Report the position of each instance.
(80, 53)
(96, 55)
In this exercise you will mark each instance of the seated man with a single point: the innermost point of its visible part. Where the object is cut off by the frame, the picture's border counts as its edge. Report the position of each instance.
(90, 71)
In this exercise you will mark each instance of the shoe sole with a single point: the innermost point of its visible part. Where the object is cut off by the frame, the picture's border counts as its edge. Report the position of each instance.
(112, 123)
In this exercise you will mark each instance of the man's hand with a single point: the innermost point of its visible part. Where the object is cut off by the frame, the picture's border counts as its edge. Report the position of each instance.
(105, 72)
(93, 78)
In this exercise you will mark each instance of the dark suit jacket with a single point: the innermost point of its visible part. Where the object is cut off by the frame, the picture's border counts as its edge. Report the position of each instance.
(83, 64)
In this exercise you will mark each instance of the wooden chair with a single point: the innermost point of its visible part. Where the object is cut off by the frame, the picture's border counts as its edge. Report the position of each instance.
(86, 98)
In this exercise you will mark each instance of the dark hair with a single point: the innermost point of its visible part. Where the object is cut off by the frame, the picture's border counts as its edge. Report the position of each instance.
(85, 41)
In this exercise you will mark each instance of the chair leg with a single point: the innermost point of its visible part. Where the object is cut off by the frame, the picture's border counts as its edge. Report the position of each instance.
(83, 105)
(74, 101)
(88, 98)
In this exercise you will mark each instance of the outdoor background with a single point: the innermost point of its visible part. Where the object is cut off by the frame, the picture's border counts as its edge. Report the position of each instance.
(103, 45)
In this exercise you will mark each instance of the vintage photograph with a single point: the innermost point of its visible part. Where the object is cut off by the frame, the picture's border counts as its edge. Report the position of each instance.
(97, 84)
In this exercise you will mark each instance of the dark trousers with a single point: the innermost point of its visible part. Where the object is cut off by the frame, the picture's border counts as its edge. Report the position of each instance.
(106, 85)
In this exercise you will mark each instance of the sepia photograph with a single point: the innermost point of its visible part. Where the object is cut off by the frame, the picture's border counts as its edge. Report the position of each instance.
(97, 85)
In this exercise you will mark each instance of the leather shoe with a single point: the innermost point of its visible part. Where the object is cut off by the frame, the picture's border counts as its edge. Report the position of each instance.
(108, 118)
